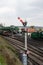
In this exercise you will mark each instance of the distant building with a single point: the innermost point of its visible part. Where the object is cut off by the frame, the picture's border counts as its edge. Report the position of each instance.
(30, 30)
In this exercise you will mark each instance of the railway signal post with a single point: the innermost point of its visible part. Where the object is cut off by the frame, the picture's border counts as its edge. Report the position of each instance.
(25, 54)
(24, 59)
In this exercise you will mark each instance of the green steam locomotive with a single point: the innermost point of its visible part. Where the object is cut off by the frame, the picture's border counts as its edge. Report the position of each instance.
(37, 35)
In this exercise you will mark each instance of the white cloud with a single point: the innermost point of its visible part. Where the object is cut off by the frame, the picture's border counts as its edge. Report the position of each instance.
(32, 10)
(4, 10)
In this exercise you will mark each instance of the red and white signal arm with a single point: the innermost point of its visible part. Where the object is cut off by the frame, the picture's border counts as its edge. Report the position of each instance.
(20, 20)
(24, 23)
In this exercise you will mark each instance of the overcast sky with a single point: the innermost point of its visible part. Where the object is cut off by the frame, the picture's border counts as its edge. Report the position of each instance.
(31, 10)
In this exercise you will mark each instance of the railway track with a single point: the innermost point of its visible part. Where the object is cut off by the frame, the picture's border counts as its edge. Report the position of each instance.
(31, 47)
(36, 57)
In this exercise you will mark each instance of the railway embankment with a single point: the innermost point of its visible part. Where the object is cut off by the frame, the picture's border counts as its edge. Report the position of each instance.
(8, 55)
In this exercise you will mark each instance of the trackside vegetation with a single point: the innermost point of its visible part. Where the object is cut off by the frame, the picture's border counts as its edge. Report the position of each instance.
(8, 54)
